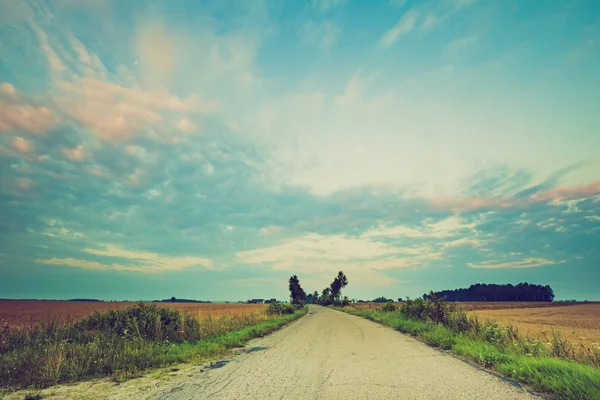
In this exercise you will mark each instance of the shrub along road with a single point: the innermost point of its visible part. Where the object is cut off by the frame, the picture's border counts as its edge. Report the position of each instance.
(331, 355)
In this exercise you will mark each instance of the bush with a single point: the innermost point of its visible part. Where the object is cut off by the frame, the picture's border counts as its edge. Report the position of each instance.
(459, 322)
(388, 307)
(148, 322)
(434, 309)
(281, 309)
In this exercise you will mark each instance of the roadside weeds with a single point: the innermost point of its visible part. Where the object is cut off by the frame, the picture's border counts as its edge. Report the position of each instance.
(159, 358)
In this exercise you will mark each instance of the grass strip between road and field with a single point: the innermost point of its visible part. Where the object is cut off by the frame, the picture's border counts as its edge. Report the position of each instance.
(37, 359)
(559, 377)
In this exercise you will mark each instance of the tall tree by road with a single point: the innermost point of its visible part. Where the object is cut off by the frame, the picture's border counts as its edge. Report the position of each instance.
(297, 294)
(315, 297)
(338, 284)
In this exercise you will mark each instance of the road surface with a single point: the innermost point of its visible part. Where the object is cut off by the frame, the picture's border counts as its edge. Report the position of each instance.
(331, 355)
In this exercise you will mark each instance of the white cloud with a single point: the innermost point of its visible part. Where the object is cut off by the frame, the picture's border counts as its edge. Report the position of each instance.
(323, 255)
(75, 154)
(404, 25)
(23, 146)
(7, 88)
(136, 261)
(185, 125)
(16, 116)
(270, 230)
(464, 242)
(448, 227)
(530, 262)
(430, 22)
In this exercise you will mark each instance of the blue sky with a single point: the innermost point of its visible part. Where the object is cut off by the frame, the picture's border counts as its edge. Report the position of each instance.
(210, 150)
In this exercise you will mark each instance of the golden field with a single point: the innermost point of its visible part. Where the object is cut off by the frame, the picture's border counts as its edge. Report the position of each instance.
(578, 323)
(22, 313)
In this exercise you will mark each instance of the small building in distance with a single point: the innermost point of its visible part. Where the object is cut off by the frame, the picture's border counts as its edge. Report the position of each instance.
(256, 301)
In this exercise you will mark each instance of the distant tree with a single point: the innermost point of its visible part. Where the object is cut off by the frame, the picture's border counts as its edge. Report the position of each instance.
(326, 297)
(498, 292)
(381, 300)
(337, 285)
(308, 299)
(173, 299)
(315, 297)
(297, 294)
(399, 299)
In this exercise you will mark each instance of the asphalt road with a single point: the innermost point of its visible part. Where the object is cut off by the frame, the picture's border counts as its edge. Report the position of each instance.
(332, 355)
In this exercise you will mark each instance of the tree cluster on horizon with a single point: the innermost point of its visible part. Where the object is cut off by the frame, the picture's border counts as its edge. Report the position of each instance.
(497, 292)
(333, 293)
(330, 295)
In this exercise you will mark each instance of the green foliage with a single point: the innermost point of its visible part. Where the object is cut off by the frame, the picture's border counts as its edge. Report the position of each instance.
(389, 307)
(332, 295)
(326, 297)
(381, 299)
(434, 309)
(315, 298)
(147, 322)
(440, 336)
(339, 282)
(280, 309)
(297, 294)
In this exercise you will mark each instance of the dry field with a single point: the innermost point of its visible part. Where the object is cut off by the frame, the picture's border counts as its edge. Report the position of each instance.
(487, 305)
(579, 324)
(483, 305)
(21, 313)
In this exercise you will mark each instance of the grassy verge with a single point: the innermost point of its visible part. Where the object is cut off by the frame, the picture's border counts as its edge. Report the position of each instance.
(558, 377)
(123, 344)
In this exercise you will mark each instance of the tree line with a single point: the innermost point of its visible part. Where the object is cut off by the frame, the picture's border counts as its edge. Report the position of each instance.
(330, 295)
(494, 292)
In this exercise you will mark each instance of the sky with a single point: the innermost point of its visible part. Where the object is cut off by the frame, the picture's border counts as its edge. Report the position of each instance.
(210, 150)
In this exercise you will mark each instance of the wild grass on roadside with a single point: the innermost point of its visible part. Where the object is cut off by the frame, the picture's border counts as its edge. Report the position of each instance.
(550, 367)
(122, 343)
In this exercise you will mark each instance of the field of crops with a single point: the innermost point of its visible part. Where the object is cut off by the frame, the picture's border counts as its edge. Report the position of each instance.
(22, 313)
(579, 324)
(483, 305)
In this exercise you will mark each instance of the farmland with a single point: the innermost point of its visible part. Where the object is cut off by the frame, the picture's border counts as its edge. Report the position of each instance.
(26, 313)
(579, 324)
(54, 342)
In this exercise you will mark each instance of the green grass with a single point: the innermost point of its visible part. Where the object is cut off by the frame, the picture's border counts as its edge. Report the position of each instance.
(50, 354)
(565, 379)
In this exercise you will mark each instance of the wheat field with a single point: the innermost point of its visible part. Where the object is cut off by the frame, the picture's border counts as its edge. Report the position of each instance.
(23, 313)
(579, 324)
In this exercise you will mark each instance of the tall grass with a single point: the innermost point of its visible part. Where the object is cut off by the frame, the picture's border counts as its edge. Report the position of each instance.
(122, 343)
(551, 367)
